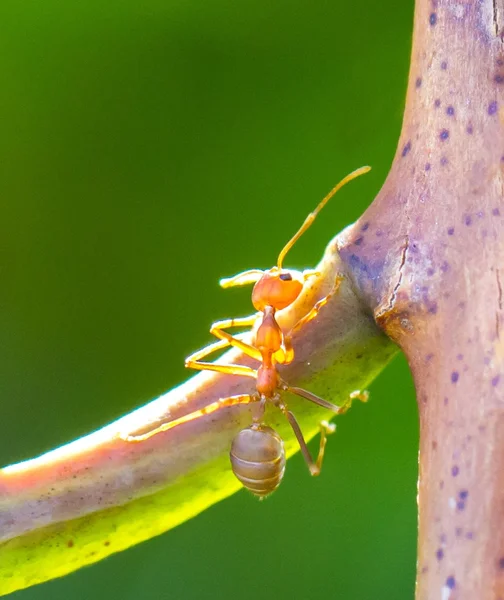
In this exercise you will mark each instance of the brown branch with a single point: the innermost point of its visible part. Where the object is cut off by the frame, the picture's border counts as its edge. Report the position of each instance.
(427, 257)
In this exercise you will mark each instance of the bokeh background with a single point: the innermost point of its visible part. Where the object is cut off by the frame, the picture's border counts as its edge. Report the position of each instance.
(146, 150)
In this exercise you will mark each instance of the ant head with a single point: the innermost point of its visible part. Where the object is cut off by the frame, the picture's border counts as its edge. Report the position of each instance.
(277, 288)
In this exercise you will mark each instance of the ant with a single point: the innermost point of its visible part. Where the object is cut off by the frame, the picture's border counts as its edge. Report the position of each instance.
(257, 452)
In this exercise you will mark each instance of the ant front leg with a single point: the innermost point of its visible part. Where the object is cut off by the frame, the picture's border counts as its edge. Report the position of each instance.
(194, 361)
(325, 429)
(289, 351)
(218, 327)
(244, 278)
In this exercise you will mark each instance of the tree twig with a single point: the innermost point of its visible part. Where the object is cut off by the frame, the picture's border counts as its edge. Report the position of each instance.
(101, 494)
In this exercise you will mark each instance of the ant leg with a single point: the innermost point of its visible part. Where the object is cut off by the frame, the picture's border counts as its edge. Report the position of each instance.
(358, 395)
(217, 330)
(311, 397)
(363, 396)
(307, 273)
(214, 406)
(325, 429)
(289, 351)
(194, 362)
(244, 278)
(226, 338)
(239, 322)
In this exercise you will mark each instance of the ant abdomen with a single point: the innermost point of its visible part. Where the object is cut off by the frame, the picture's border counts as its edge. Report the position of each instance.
(258, 459)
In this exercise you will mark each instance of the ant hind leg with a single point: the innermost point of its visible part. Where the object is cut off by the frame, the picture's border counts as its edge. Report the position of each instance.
(325, 429)
(311, 397)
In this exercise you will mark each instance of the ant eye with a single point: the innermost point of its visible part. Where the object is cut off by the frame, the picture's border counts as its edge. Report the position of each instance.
(285, 276)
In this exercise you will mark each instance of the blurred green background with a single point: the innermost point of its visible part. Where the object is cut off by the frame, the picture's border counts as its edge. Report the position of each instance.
(148, 149)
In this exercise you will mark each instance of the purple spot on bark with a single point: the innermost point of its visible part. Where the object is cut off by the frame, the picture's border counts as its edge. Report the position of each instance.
(492, 108)
(463, 494)
(495, 380)
(460, 505)
(440, 554)
(454, 376)
(469, 129)
(468, 220)
(460, 356)
(496, 212)
(499, 78)
(451, 230)
(433, 308)
(365, 227)
(501, 562)
(355, 261)
(427, 167)
(469, 535)
(444, 64)
(433, 19)
(359, 241)
(429, 356)
(450, 582)
(430, 272)
(437, 103)
(418, 82)
(444, 135)
(450, 111)
(458, 531)
(406, 149)
(455, 471)
(445, 401)
(444, 161)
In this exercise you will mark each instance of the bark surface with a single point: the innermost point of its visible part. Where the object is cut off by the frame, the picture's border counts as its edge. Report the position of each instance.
(428, 257)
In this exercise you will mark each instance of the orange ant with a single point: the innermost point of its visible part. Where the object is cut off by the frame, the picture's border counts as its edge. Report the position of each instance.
(257, 452)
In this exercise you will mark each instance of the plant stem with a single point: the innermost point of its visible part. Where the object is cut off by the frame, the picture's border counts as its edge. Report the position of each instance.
(101, 494)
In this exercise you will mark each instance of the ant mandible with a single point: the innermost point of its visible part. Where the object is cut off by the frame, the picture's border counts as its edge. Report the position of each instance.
(257, 452)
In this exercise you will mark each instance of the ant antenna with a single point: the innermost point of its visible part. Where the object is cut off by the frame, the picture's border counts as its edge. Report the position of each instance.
(311, 217)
